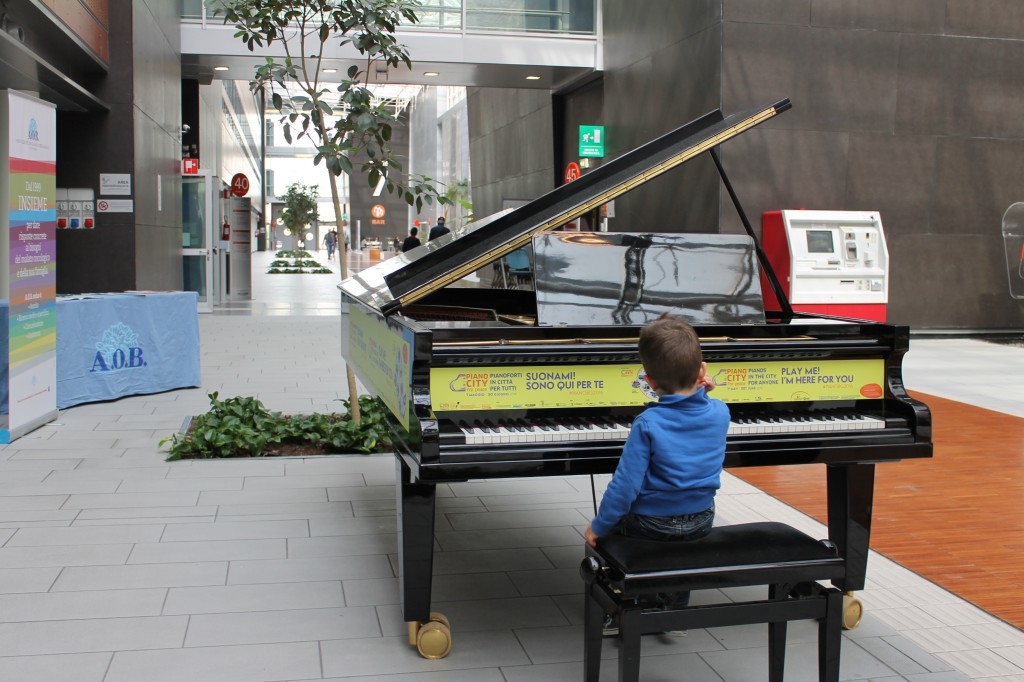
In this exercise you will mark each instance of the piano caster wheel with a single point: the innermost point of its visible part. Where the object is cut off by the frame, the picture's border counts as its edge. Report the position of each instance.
(853, 611)
(432, 639)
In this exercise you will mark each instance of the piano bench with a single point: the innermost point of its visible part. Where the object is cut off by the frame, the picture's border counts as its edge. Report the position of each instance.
(624, 575)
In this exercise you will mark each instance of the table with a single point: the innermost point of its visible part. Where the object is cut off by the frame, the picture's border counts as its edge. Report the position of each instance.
(114, 345)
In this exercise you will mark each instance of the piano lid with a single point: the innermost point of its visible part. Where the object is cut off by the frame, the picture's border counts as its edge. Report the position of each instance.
(401, 280)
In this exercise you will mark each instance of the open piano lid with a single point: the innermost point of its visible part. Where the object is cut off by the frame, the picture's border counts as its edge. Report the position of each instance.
(410, 276)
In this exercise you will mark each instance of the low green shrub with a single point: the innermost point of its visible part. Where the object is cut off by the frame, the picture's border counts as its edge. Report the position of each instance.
(243, 427)
(296, 266)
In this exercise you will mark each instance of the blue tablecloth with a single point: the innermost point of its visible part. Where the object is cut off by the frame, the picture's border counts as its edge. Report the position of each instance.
(114, 345)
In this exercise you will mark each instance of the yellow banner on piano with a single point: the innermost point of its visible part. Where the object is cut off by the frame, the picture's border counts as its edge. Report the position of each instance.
(565, 386)
(797, 381)
(381, 356)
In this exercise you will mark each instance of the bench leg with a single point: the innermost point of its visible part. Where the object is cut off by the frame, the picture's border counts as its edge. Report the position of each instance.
(629, 643)
(830, 637)
(777, 638)
(593, 621)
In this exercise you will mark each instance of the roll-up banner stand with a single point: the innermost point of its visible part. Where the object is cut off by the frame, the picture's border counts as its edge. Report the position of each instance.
(28, 260)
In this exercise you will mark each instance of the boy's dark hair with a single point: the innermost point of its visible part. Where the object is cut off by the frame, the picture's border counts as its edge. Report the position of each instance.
(413, 231)
(670, 353)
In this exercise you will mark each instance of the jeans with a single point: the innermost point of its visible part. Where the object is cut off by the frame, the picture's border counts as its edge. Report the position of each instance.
(679, 528)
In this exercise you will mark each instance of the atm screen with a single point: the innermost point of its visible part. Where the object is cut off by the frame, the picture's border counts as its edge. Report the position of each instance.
(820, 241)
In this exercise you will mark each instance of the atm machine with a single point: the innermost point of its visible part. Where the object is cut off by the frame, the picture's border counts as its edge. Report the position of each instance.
(828, 262)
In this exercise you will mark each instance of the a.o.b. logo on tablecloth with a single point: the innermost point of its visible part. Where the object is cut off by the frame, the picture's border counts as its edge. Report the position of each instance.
(118, 350)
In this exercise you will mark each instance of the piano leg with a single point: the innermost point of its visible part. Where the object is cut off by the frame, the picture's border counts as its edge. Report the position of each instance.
(851, 491)
(429, 632)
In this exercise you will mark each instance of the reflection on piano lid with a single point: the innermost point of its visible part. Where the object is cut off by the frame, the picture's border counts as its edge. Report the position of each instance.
(404, 279)
(616, 278)
(369, 286)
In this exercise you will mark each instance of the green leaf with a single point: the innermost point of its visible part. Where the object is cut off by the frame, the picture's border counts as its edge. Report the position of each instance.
(364, 122)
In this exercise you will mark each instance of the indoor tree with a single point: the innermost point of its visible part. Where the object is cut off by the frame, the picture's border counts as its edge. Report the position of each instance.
(300, 209)
(343, 120)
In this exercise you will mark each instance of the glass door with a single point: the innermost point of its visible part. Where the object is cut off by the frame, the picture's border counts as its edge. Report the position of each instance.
(197, 235)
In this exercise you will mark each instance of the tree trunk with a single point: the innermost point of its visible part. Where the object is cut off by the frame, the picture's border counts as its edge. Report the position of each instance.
(353, 391)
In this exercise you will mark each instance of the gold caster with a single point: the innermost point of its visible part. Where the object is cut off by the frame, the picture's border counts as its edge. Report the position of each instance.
(853, 611)
(432, 639)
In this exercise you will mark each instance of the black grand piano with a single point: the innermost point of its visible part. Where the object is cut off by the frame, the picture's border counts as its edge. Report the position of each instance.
(492, 383)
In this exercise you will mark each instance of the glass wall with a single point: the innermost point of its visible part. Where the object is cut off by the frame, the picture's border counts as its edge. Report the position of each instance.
(577, 17)
(192, 9)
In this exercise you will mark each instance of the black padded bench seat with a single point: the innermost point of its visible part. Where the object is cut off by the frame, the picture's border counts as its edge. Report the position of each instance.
(623, 575)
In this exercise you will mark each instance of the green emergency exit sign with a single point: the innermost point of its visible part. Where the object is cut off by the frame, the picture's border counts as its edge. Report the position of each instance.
(592, 141)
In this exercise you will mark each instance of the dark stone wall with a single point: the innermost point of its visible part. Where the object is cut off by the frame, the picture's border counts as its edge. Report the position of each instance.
(140, 136)
(510, 146)
(662, 69)
(909, 108)
(102, 259)
(157, 126)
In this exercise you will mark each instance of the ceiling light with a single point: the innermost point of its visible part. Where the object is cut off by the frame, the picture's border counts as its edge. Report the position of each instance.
(431, 73)
(533, 78)
(330, 71)
(220, 68)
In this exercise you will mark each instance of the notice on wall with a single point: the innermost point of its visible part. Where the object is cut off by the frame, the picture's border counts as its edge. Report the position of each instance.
(31, 283)
(115, 184)
(115, 206)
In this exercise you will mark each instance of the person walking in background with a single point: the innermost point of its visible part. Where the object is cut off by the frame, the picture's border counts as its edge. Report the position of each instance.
(438, 230)
(331, 241)
(412, 241)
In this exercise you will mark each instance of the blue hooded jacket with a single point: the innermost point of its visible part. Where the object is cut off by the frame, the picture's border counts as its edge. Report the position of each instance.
(671, 463)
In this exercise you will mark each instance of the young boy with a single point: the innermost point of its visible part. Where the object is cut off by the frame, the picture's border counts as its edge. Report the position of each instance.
(664, 486)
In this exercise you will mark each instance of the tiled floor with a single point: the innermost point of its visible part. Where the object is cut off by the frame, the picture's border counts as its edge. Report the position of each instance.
(116, 566)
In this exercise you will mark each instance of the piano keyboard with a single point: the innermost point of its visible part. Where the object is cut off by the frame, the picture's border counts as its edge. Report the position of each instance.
(511, 431)
(543, 430)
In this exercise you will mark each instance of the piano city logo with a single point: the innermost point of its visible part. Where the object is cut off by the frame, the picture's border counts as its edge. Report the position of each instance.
(641, 384)
(118, 350)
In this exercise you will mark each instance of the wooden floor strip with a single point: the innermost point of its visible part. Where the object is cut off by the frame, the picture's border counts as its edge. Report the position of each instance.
(956, 519)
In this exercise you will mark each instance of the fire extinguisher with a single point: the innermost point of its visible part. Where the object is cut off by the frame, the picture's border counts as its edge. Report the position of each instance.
(225, 233)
